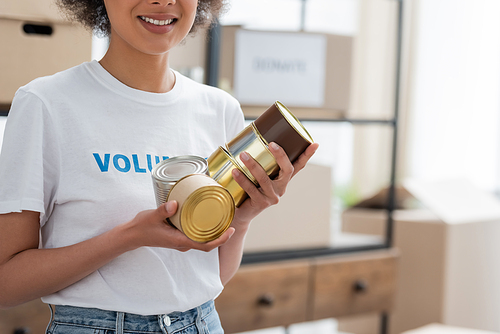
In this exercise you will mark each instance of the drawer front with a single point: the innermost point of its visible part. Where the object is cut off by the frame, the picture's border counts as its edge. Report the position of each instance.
(354, 284)
(34, 316)
(261, 296)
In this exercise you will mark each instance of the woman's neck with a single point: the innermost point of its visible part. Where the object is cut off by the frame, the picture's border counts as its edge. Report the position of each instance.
(149, 73)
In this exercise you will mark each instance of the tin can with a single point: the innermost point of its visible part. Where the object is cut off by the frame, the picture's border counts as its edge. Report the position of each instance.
(166, 173)
(220, 168)
(249, 140)
(205, 208)
(278, 124)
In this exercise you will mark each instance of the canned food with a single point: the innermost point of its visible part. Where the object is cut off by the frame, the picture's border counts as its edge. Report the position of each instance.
(220, 168)
(278, 124)
(166, 173)
(250, 141)
(205, 208)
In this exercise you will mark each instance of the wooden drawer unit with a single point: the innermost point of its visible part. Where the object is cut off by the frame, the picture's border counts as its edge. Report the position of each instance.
(265, 295)
(353, 284)
(33, 317)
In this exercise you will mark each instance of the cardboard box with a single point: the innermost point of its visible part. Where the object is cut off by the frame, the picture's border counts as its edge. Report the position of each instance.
(449, 250)
(301, 219)
(339, 50)
(444, 329)
(35, 10)
(26, 56)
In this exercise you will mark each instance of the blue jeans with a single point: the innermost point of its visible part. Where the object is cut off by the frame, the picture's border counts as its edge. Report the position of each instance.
(77, 320)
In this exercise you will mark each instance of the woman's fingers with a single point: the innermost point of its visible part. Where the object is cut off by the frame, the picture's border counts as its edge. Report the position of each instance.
(272, 190)
(246, 184)
(178, 240)
(302, 160)
(168, 209)
(253, 166)
(286, 168)
(183, 243)
(208, 246)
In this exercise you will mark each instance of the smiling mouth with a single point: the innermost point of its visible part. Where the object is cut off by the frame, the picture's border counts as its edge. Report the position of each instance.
(157, 22)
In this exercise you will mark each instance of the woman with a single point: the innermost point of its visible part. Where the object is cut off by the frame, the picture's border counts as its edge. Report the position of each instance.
(76, 224)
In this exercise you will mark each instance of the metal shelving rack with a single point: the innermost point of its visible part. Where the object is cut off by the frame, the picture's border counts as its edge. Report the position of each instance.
(212, 79)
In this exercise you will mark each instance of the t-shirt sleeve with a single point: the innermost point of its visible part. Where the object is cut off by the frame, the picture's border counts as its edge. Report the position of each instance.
(29, 157)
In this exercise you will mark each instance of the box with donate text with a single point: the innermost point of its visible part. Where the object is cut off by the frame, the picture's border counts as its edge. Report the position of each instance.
(310, 71)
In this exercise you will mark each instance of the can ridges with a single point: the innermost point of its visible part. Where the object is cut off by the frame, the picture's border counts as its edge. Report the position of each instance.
(167, 172)
(174, 168)
(217, 211)
(205, 208)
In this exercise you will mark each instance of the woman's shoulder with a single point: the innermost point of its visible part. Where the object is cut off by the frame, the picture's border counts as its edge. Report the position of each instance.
(57, 81)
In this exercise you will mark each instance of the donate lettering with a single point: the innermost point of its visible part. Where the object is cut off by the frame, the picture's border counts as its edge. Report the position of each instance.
(275, 65)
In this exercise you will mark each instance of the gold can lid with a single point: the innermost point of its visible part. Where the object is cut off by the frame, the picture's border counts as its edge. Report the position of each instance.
(294, 122)
(207, 213)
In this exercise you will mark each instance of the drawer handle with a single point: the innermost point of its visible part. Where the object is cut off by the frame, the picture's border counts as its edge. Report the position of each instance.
(266, 300)
(360, 286)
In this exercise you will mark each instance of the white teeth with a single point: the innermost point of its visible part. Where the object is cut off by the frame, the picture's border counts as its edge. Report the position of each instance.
(157, 22)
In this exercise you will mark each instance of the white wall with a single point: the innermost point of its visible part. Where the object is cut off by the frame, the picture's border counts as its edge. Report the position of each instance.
(454, 122)
(331, 16)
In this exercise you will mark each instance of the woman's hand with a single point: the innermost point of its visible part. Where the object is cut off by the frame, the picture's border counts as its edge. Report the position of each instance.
(269, 191)
(150, 228)
(267, 194)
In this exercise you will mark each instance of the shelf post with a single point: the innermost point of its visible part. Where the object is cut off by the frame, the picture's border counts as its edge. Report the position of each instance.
(213, 54)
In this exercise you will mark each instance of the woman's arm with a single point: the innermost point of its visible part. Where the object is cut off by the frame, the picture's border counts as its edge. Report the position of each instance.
(27, 272)
(259, 199)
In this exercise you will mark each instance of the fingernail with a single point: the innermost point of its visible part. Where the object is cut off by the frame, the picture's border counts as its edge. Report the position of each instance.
(170, 206)
(244, 156)
(274, 146)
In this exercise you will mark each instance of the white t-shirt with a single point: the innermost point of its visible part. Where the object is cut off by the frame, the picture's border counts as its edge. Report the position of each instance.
(79, 147)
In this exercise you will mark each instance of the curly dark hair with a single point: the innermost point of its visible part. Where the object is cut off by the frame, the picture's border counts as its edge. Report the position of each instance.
(92, 14)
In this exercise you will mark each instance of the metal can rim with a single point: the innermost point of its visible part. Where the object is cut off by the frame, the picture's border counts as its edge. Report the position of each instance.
(282, 107)
(193, 158)
(237, 165)
(221, 227)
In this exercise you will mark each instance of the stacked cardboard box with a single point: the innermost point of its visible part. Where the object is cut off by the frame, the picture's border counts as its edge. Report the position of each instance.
(449, 253)
(444, 329)
(36, 41)
(301, 220)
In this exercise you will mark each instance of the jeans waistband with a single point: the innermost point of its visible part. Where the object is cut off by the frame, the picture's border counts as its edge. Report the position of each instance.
(120, 321)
